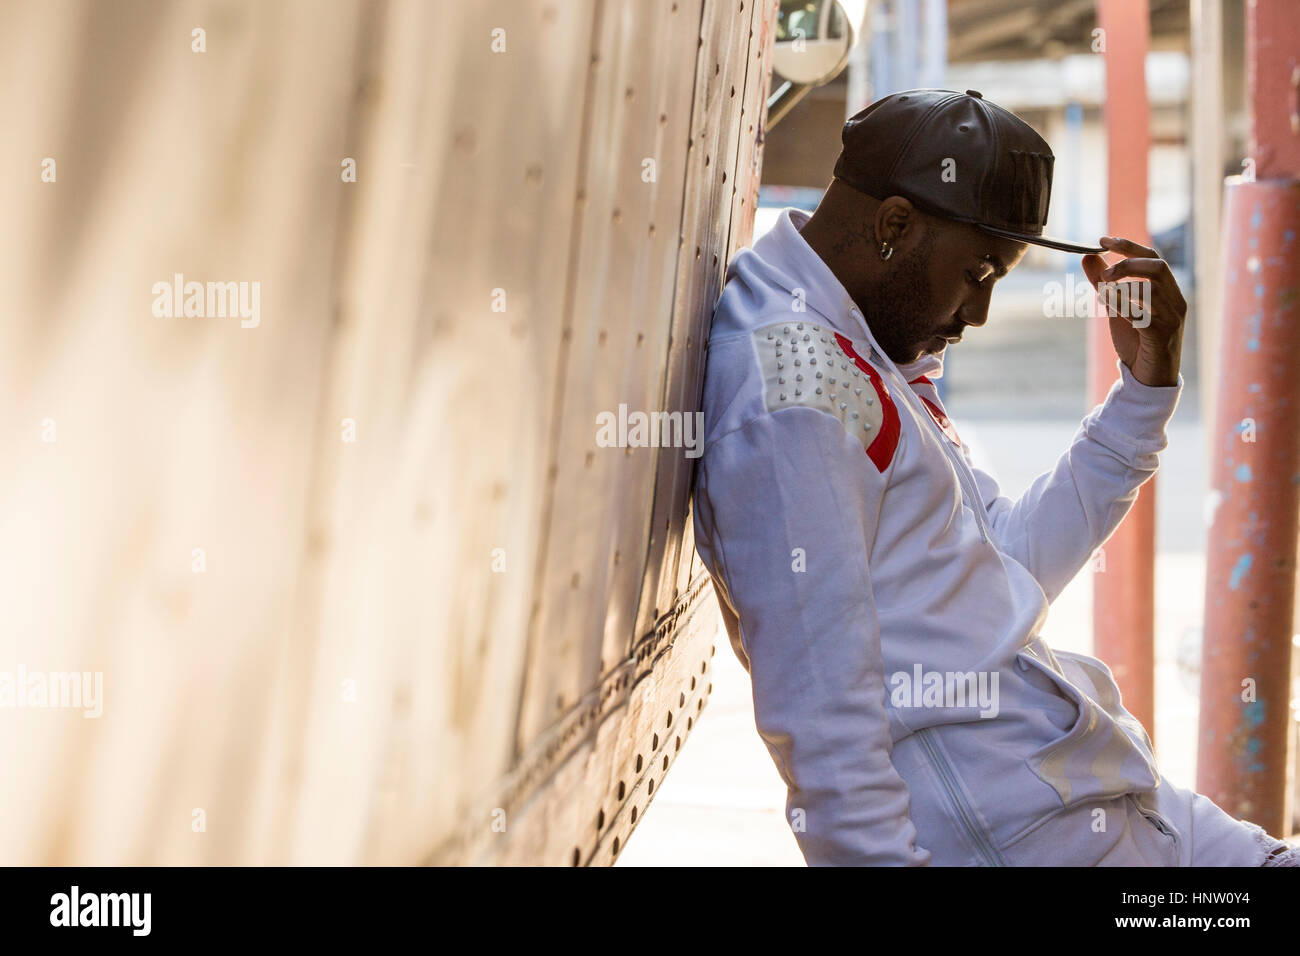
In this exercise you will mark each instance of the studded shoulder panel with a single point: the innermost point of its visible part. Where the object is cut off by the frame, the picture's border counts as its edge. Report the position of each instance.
(809, 365)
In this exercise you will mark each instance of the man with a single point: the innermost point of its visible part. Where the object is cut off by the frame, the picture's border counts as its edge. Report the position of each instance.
(886, 600)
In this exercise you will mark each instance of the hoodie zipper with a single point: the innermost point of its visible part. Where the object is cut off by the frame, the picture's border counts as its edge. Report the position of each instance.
(938, 760)
(970, 493)
(983, 845)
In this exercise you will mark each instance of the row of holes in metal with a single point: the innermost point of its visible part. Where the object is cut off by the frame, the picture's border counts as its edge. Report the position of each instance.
(640, 762)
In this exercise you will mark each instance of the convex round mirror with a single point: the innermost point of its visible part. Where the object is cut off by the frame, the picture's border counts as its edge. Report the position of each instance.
(813, 38)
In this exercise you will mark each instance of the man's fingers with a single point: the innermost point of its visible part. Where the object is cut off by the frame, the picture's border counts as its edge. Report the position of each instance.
(1157, 271)
(1139, 268)
(1127, 247)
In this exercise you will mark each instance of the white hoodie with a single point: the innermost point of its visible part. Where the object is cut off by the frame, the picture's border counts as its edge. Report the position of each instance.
(888, 602)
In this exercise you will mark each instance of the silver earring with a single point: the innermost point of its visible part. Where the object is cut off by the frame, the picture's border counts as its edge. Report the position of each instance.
(886, 250)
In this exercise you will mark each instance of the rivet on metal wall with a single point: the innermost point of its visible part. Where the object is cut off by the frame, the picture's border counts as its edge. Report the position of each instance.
(317, 541)
(465, 140)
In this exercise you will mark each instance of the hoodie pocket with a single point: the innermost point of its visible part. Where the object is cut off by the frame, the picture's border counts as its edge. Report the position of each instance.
(1097, 758)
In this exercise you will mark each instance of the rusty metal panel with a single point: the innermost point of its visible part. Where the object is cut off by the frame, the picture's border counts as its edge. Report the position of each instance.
(434, 621)
(621, 278)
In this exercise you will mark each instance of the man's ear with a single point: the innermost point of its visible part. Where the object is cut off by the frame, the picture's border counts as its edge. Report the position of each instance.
(896, 220)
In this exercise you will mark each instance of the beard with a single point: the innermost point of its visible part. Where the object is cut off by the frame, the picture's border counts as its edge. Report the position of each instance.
(902, 316)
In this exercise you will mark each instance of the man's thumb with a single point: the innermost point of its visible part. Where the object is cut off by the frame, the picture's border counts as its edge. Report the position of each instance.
(1092, 268)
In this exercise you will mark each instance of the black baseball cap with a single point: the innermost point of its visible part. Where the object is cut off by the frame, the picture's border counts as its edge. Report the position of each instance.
(956, 156)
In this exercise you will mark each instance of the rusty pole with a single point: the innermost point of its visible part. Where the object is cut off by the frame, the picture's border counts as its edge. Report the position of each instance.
(1123, 607)
(1251, 568)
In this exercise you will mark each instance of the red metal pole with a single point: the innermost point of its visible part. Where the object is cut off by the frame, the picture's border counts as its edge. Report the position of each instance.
(1123, 608)
(1251, 568)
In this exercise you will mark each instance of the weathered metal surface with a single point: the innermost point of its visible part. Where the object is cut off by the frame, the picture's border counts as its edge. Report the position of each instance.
(1246, 689)
(1124, 572)
(1250, 587)
(435, 621)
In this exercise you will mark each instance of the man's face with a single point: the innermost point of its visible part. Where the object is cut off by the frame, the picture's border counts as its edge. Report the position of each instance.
(941, 285)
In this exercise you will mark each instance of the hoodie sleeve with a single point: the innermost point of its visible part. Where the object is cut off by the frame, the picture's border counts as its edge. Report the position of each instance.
(1054, 528)
(786, 509)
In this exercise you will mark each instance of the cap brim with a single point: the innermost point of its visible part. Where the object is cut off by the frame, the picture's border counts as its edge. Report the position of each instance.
(1047, 241)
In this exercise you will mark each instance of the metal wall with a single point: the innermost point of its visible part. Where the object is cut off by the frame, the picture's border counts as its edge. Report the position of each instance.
(361, 584)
